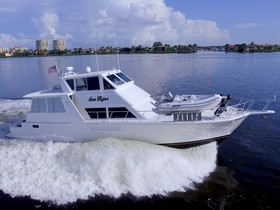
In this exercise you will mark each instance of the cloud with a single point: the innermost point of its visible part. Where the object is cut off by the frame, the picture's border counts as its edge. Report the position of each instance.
(9, 41)
(47, 24)
(50, 22)
(143, 22)
(125, 22)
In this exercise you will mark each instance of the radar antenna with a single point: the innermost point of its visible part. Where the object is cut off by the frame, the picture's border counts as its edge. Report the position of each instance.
(95, 49)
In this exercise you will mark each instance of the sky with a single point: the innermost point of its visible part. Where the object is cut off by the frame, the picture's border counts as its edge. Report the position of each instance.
(126, 23)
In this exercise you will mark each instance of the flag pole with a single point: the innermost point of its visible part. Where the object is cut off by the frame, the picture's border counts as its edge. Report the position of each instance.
(58, 72)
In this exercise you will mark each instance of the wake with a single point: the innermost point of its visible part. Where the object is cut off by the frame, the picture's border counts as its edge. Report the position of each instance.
(63, 173)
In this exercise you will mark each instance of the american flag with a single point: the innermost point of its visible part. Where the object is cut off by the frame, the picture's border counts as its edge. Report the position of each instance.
(52, 69)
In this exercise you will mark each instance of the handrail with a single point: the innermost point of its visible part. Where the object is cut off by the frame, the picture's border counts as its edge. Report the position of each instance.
(251, 103)
(246, 105)
(269, 102)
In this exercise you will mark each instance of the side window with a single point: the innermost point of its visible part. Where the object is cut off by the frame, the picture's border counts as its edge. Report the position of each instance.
(120, 112)
(107, 85)
(50, 105)
(42, 105)
(58, 105)
(55, 105)
(35, 106)
(70, 83)
(96, 113)
(93, 83)
(81, 84)
(38, 105)
(90, 83)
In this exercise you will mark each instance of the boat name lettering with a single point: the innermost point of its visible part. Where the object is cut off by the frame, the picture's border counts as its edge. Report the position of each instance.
(98, 98)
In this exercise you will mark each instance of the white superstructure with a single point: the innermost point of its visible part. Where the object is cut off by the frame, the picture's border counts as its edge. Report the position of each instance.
(93, 105)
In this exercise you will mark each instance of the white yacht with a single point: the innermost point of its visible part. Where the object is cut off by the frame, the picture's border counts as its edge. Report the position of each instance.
(92, 105)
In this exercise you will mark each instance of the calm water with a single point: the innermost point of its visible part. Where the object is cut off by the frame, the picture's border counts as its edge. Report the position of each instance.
(242, 171)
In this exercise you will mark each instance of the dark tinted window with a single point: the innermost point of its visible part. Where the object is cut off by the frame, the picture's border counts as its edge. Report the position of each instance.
(70, 83)
(93, 83)
(81, 84)
(120, 112)
(96, 113)
(90, 83)
(123, 76)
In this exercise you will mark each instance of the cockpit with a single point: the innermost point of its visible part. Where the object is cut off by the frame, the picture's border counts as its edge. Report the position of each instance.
(105, 81)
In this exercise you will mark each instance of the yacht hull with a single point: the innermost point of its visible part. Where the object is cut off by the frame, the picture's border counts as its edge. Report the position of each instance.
(176, 134)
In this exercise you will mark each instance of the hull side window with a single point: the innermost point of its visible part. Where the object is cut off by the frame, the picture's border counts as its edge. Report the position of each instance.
(120, 112)
(96, 113)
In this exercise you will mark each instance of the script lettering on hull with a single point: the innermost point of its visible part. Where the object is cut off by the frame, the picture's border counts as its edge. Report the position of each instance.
(98, 98)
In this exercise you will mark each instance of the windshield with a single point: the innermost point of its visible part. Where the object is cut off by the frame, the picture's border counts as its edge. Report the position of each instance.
(123, 76)
(116, 80)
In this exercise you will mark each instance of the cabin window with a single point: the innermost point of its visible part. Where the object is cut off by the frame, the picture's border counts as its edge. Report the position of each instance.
(35, 106)
(123, 77)
(93, 83)
(38, 105)
(41, 105)
(107, 85)
(90, 83)
(55, 105)
(116, 80)
(58, 105)
(70, 82)
(96, 113)
(81, 84)
(120, 112)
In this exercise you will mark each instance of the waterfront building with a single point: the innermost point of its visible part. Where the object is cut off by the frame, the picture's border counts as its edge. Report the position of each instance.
(58, 44)
(42, 45)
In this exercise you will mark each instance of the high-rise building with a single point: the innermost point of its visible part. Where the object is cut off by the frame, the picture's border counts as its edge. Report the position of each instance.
(58, 44)
(42, 45)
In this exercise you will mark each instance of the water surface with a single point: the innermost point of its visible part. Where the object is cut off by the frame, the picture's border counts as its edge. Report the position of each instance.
(243, 170)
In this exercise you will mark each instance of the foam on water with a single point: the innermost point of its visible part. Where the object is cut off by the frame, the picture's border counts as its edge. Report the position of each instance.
(64, 172)
(11, 110)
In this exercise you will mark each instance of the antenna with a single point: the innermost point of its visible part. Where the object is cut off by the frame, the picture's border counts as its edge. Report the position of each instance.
(118, 60)
(96, 59)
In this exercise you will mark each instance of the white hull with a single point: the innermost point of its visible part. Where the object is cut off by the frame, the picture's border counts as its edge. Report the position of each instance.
(151, 132)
